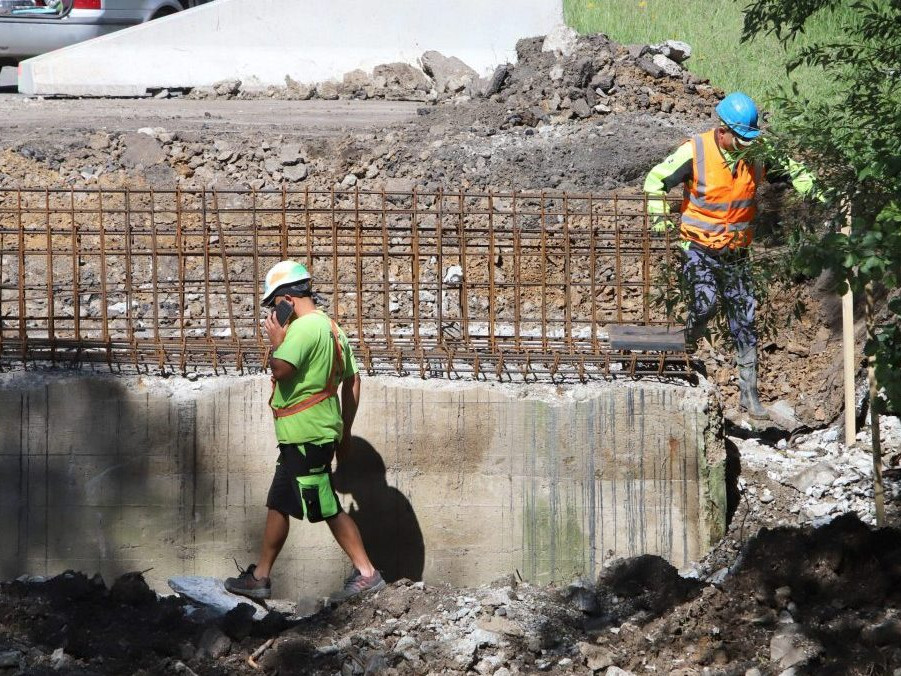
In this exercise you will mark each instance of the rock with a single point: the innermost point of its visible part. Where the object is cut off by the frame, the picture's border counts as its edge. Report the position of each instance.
(616, 671)
(131, 589)
(596, 657)
(819, 474)
(99, 141)
(603, 81)
(649, 67)
(272, 165)
(767, 496)
(498, 624)
(289, 154)
(668, 66)
(356, 80)
(498, 79)
(789, 647)
(349, 181)
(328, 90)
(884, 633)
(562, 39)
(637, 51)
(10, 658)
(213, 643)
(404, 643)
(59, 660)
(141, 150)
(227, 87)
(403, 76)
(450, 74)
(298, 172)
(581, 108)
(676, 50)
(297, 90)
(397, 185)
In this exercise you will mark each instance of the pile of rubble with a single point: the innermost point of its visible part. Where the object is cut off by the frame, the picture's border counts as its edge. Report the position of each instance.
(556, 77)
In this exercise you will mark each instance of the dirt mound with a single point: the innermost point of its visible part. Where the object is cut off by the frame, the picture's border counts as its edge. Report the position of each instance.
(821, 601)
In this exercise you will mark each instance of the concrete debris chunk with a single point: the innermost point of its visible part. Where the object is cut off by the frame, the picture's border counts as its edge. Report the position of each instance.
(290, 154)
(451, 75)
(10, 658)
(789, 647)
(141, 150)
(295, 173)
(820, 474)
(227, 87)
(562, 40)
(403, 76)
(676, 50)
(298, 90)
(669, 67)
(649, 67)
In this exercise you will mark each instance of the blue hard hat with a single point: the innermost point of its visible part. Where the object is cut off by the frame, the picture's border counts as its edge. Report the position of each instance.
(739, 112)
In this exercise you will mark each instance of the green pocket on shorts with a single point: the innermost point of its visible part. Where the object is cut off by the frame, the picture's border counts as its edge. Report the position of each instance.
(317, 497)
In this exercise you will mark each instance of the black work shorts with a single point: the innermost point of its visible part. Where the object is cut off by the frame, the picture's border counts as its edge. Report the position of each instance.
(302, 485)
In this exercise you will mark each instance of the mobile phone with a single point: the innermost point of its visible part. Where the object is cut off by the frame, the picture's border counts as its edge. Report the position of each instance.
(283, 312)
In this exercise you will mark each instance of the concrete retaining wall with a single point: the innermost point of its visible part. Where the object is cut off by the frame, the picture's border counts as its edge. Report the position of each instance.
(450, 482)
(261, 41)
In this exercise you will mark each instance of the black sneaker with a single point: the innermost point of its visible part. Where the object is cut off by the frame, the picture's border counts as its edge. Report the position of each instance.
(357, 584)
(247, 584)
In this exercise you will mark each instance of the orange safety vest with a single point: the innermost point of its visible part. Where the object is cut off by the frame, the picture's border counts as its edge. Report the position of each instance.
(331, 385)
(719, 203)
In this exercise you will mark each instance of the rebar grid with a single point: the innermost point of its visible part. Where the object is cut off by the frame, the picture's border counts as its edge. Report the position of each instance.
(433, 283)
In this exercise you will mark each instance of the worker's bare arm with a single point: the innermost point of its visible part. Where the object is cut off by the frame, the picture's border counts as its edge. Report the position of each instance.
(281, 369)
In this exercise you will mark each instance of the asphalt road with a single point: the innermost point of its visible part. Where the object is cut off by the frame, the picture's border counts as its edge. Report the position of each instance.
(22, 117)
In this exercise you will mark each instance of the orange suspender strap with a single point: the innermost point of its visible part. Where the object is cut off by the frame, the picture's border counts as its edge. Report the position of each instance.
(330, 390)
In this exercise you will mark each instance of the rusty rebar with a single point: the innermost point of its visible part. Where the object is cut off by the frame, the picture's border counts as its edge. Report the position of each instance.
(579, 262)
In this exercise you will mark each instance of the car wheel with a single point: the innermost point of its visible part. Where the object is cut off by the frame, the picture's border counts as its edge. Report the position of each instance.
(163, 11)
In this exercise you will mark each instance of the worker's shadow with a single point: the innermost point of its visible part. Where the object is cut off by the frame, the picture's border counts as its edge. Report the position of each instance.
(383, 514)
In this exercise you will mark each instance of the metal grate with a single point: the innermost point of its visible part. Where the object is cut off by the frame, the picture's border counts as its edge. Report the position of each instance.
(431, 283)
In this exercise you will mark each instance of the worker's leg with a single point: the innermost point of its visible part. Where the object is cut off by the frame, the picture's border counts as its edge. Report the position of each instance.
(739, 302)
(274, 536)
(346, 534)
(741, 308)
(699, 273)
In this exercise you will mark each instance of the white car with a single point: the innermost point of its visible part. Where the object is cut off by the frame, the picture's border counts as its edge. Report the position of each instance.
(32, 27)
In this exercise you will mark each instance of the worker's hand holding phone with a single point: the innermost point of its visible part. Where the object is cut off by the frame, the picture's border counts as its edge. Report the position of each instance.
(283, 312)
(276, 323)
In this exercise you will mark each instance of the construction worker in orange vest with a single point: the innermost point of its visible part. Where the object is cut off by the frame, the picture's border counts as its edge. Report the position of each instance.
(716, 227)
(311, 363)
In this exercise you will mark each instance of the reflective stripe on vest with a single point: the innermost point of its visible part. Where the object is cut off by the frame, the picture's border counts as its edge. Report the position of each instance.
(331, 385)
(719, 203)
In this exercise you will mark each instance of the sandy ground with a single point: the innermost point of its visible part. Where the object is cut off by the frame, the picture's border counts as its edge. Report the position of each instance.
(23, 117)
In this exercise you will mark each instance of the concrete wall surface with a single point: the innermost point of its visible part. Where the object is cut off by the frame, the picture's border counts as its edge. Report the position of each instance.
(261, 41)
(457, 482)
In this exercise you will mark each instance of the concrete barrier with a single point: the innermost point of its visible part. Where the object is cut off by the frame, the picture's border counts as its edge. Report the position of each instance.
(456, 482)
(261, 41)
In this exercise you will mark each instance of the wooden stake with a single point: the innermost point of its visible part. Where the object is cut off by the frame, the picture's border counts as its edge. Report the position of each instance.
(878, 487)
(848, 357)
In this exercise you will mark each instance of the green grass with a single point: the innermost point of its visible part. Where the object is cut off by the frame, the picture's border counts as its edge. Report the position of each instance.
(713, 29)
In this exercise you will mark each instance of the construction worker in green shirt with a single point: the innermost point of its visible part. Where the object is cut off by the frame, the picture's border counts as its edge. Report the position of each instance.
(716, 226)
(311, 363)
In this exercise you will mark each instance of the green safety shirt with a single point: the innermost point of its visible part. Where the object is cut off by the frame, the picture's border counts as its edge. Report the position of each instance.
(677, 168)
(309, 348)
